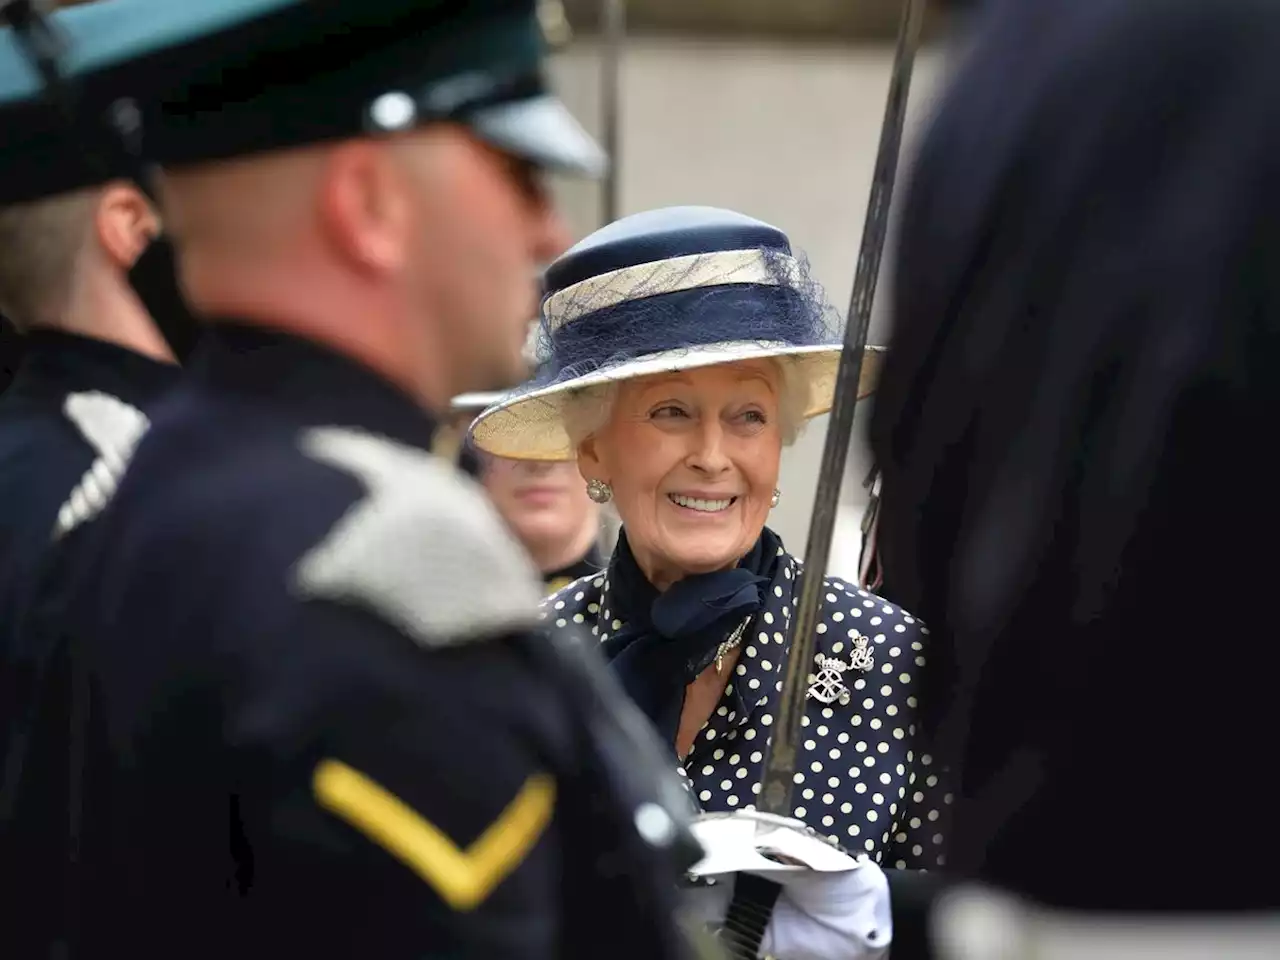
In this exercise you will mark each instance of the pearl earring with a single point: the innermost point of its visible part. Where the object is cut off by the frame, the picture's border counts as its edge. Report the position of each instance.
(777, 495)
(599, 491)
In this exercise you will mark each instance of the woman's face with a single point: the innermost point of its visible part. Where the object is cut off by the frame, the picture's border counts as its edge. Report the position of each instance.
(693, 461)
(545, 504)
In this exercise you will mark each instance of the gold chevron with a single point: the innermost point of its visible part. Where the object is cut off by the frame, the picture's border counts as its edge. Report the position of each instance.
(462, 878)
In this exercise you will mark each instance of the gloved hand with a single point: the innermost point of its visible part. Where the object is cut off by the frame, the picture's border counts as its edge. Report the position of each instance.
(818, 916)
(830, 905)
(831, 916)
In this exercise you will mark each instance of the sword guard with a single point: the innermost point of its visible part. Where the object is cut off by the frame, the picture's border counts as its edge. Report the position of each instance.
(764, 845)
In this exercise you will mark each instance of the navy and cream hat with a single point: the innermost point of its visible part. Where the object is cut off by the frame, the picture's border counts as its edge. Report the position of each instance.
(209, 80)
(669, 289)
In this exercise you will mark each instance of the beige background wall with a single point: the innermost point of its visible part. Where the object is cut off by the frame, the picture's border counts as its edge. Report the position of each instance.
(785, 133)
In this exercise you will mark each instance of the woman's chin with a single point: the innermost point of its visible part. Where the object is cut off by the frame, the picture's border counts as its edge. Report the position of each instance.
(692, 558)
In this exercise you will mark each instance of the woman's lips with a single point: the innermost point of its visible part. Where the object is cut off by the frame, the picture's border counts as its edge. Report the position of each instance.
(539, 495)
(701, 503)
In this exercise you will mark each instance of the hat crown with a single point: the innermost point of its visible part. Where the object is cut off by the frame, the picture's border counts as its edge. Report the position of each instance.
(662, 234)
(679, 288)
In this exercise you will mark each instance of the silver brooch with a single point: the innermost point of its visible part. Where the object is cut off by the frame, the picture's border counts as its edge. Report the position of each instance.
(827, 685)
(862, 658)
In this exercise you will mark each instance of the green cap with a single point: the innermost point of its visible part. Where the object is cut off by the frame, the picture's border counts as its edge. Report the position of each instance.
(215, 79)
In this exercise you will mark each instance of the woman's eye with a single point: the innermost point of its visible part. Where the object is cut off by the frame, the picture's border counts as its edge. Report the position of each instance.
(667, 413)
(754, 417)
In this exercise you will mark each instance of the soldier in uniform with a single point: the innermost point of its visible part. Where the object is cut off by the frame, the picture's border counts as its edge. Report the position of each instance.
(75, 238)
(312, 716)
(71, 234)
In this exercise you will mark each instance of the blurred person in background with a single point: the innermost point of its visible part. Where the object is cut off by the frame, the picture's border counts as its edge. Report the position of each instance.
(543, 502)
(79, 244)
(73, 244)
(686, 347)
(1076, 425)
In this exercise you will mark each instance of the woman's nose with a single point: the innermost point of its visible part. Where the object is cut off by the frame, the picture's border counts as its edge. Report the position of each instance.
(535, 468)
(708, 455)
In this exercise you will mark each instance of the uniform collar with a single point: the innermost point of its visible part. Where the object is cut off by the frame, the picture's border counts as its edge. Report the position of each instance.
(308, 381)
(56, 363)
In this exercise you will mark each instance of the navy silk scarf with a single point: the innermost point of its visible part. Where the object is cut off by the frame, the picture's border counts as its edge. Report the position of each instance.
(668, 638)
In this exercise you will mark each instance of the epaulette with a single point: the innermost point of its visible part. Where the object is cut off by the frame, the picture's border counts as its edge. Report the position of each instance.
(113, 428)
(423, 549)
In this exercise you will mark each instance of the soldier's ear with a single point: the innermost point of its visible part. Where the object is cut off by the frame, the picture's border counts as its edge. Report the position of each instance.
(364, 208)
(124, 223)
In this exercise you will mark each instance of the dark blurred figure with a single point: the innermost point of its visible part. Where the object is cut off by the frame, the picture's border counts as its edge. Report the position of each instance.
(1075, 427)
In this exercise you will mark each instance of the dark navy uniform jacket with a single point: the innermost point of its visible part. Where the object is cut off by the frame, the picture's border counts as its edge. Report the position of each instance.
(316, 723)
(60, 411)
(66, 421)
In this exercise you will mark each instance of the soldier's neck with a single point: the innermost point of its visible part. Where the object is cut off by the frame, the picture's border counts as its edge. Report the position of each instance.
(111, 312)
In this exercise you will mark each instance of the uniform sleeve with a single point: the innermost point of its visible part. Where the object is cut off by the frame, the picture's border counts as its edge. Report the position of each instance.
(426, 810)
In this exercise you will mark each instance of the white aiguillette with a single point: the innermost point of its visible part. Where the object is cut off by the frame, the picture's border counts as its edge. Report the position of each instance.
(765, 845)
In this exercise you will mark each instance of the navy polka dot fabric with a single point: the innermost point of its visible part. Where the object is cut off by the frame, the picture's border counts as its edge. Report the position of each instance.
(859, 782)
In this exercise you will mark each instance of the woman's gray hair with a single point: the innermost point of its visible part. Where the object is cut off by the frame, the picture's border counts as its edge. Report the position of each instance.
(587, 409)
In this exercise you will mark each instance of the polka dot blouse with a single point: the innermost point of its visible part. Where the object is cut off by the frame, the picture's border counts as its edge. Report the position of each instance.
(859, 782)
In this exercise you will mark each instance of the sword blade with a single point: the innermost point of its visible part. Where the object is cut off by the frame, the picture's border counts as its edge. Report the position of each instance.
(780, 761)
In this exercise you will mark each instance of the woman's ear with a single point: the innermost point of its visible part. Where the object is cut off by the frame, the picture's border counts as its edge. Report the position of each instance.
(589, 464)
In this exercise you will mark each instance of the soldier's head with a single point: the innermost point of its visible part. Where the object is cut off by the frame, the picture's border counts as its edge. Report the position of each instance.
(65, 262)
(71, 228)
(382, 191)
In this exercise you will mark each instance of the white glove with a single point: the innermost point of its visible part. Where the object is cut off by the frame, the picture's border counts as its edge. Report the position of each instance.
(831, 916)
(831, 906)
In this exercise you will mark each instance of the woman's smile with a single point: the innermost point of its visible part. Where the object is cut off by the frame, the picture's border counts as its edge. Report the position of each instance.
(701, 504)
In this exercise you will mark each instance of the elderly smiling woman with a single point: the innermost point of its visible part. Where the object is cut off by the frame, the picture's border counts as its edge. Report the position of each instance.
(683, 349)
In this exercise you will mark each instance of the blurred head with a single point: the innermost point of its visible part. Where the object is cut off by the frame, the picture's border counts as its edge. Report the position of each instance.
(692, 457)
(546, 506)
(417, 252)
(65, 260)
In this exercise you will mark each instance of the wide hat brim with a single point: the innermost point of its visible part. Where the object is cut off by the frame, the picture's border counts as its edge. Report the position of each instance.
(475, 402)
(529, 424)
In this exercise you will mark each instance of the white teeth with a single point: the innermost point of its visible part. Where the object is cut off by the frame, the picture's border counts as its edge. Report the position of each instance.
(706, 506)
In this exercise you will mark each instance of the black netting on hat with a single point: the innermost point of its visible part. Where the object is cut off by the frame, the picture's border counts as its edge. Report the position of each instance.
(772, 299)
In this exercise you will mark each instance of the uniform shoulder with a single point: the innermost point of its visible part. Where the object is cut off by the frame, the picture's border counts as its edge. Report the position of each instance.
(423, 547)
(111, 428)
